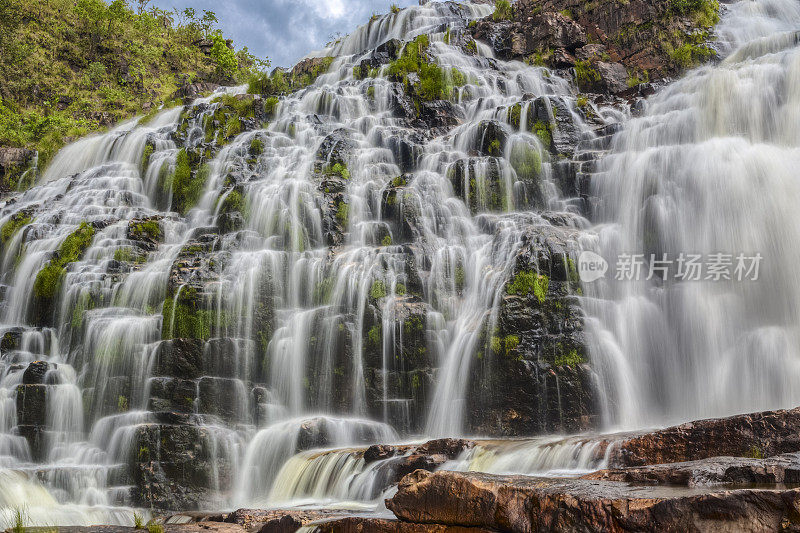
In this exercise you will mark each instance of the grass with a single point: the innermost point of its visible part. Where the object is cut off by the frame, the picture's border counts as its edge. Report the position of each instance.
(434, 82)
(72, 67)
(19, 517)
(502, 11)
(138, 521)
(527, 282)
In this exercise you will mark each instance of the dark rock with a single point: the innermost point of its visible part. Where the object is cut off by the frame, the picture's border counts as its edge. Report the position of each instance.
(751, 435)
(378, 452)
(11, 340)
(35, 373)
(355, 524)
(614, 76)
(32, 405)
(525, 504)
(279, 520)
(181, 358)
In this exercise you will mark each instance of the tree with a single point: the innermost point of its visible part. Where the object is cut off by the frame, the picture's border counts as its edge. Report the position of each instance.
(223, 56)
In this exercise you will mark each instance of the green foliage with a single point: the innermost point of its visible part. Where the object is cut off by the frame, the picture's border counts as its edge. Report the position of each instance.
(472, 47)
(527, 282)
(122, 404)
(691, 52)
(152, 527)
(400, 289)
(147, 230)
(225, 58)
(571, 358)
(395, 9)
(271, 105)
(585, 75)
(374, 335)
(754, 453)
(433, 80)
(704, 12)
(19, 517)
(378, 290)
(138, 521)
(187, 187)
(494, 148)
(14, 224)
(460, 277)
(387, 241)
(338, 170)
(48, 280)
(343, 213)
(502, 10)
(73, 67)
(256, 147)
(146, 155)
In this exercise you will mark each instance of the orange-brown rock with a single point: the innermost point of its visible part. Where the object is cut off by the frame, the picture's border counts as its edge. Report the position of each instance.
(527, 504)
(382, 525)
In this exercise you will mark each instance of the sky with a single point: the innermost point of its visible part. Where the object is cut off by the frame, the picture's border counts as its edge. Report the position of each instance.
(286, 30)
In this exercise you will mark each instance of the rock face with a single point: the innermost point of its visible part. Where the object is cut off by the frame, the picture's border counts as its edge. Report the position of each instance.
(752, 435)
(14, 162)
(779, 469)
(524, 504)
(612, 48)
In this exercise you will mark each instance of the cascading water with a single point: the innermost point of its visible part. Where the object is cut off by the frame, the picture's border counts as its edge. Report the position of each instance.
(708, 168)
(293, 327)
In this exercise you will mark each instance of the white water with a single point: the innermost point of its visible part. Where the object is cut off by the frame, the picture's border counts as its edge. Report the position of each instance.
(662, 354)
(710, 167)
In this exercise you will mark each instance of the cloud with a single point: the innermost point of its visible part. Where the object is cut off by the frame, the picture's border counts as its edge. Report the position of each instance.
(287, 30)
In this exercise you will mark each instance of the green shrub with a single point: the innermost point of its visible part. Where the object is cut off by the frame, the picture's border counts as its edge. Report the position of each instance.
(503, 10)
(378, 290)
(338, 169)
(527, 282)
(343, 214)
(585, 75)
(223, 56)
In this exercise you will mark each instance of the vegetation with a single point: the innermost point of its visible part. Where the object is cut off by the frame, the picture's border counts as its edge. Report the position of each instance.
(186, 318)
(18, 520)
(152, 527)
(14, 224)
(585, 75)
(343, 213)
(526, 162)
(703, 12)
(147, 230)
(571, 358)
(378, 290)
(434, 82)
(138, 521)
(691, 51)
(338, 169)
(73, 67)
(186, 186)
(527, 282)
(281, 82)
(48, 281)
(503, 10)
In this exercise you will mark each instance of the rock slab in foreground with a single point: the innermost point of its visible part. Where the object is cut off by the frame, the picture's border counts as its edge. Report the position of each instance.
(379, 525)
(527, 504)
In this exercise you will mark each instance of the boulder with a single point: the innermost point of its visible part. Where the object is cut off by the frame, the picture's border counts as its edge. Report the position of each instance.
(35, 373)
(526, 504)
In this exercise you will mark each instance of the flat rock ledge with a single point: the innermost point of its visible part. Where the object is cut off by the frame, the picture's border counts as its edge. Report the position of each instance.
(528, 504)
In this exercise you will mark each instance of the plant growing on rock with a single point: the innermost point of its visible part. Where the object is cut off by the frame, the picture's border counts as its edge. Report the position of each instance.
(502, 10)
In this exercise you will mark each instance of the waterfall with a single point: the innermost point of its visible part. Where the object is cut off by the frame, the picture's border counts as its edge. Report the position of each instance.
(708, 168)
(338, 278)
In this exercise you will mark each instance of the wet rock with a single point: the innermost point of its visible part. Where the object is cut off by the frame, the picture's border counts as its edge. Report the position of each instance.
(32, 405)
(439, 116)
(224, 397)
(179, 358)
(35, 373)
(378, 452)
(534, 377)
(714, 470)
(614, 76)
(450, 448)
(491, 138)
(172, 394)
(11, 340)
(382, 525)
(279, 520)
(762, 434)
(172, 466)
(14, 162)
(335, 148)
(524, 504)
(191, 91)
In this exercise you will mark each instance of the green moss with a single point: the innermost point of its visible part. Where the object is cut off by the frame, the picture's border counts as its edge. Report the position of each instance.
(433, 84)
(243, 107)
(126, 254)
(754, 453)
(413, 325)
(148, 152)
(705, 13)
(387, 241)
(527, 282)
(543, 130)
(378, 290)
(371, 92)
(271, 106)
(400, 289)
(585, 75)
(343, 213)
(338, 169)
(122, 404)
(526, 162)
(187, 187)
(494, 148)
(147, 230)
(472, 47)
(502, 10)
(15, 223)
(571, 358)
(510, 343)
(460, 277)
(185, 318)
(85, 303)
(48, 280)
(374, 336)
(496, 345)
(256, 147)
(399, 181)
(691, 52)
